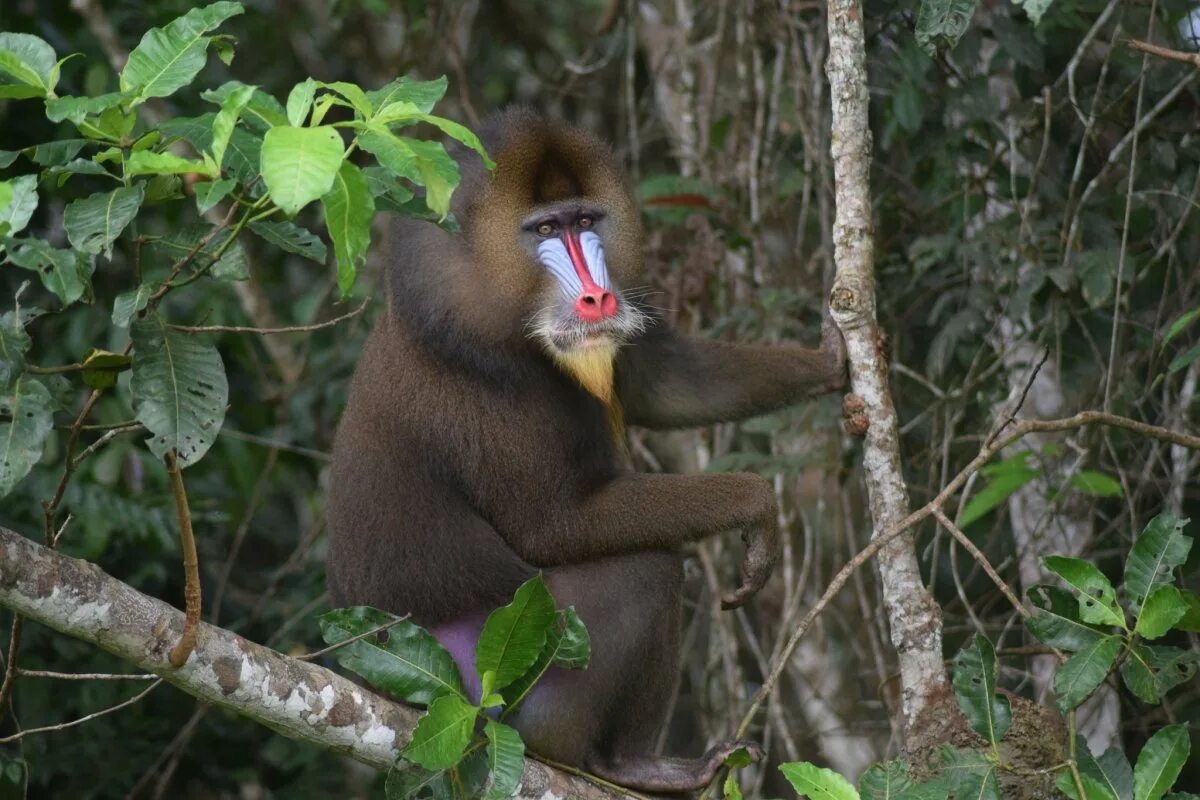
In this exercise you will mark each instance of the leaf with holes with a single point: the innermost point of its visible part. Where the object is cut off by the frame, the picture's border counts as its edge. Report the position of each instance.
(66, 273)
(988, 713)
(1159, 763)
(408, 663)
(1161, 548)
(170, 57)
(1056, 621)
(349, 209)
(1097, 598)
(93, 223)
(1150, 672)
(818, 783)
(1084, 671)
(299, 164)
(179, 389)
(29, 409)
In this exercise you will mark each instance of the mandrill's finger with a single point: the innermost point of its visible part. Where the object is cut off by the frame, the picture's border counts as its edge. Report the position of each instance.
(734, 599)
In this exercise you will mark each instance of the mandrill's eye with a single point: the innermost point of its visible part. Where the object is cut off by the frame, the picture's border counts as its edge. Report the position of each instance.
(585, 222)
(545, 229)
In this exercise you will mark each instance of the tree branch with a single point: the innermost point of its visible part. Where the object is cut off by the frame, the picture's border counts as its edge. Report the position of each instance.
(298, 699)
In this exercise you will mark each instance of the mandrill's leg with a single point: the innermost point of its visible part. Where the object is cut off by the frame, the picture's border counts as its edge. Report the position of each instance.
(606, 718)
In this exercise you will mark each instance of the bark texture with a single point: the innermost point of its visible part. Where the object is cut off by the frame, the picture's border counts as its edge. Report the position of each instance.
(914, 618)
(292, 697)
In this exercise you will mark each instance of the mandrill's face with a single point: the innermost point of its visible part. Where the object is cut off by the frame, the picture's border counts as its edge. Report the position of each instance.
(582, 304)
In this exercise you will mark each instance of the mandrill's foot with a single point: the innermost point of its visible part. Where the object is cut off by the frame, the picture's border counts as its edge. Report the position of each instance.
(671, 774)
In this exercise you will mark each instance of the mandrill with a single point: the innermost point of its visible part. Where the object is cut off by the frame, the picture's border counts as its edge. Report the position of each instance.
(481, 443)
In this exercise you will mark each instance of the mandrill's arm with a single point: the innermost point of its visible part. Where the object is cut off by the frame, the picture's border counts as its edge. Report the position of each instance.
(666, 380)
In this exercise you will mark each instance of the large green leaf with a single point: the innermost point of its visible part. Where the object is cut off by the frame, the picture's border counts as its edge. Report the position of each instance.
(76, 109)
(506, 760)
(886, 781)
(179, 389)
(1111, 770)
(442, 734)
(409, 663)
(262, 112)
(971, 776)
(1159, 763)
(349, 209)
(1004, 478)
(818, 783)
(93, 223)
(422, 94)
(513, 635)
(1094, 789)
(1084, 671)
(1150, 672)
(1163, 608)
(29, 409)
(226, 119)
(1097, 598)
(66, 273)
(23, 201)
(148, 162)
(299, 164)
(405, 113)
(567, 645)
(1056, 620)
(30, 62)
(988, 713)
(169, 58)
(292, 238)
(1161, 548)
(424, 163)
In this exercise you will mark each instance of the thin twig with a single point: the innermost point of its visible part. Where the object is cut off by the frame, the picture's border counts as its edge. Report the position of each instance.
(86, 676)
(103, 440)
(372, 632)
(267, 331)
(982, 560)
(191, 566)
(1165, 52)
(81, 720)
(1012, 416)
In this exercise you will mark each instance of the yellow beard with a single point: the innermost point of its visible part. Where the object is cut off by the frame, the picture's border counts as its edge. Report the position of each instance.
(592, 367)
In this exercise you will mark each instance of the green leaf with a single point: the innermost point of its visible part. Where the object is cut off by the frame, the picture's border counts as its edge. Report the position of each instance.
(970, 775)
(22, 203)
(27, 405)
(76, 109)
(1096, 483)
(735, 761)
(409, 663)
(147, 162)
(988, 713)
(1150, 672)
(1056, 622)
(1095, 790)
(169, 58)
(356, 97)
(14, 344)
(574, 650)
(30, 61)
(1084, 671)
(80, 166)
(1163, 608)
(941, 23)
(887, 781)
(1161, 548)
(209, 193)
(408, 781)
(6, 194)
(179, 389)
(66, 273)
(424, 163)
(442, 734)
(1181, 324)
(1097, 598)
(292, 238)
(389, 193)
(349, 209)
(1184, 359)
(1159, 763)
(819, 783)
(300, 101)
(567, 646)
(506, 760)
(226, 120)
(127, 304)
(262, 112)
(232, 265)
(1005, 478)
(405, 113)
(102, 366)
(1034, 8)
(93, 223)
(513, 635)
(422, 94)
(299, 164)
(1111, 770)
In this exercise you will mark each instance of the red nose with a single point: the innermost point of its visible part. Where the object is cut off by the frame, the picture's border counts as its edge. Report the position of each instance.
(596, 304)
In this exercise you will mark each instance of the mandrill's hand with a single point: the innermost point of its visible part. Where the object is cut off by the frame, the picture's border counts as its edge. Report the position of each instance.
(833, 348)
(762, 551)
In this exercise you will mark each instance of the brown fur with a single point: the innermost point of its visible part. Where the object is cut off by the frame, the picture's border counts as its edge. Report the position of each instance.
(470, 456)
